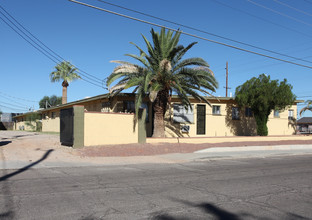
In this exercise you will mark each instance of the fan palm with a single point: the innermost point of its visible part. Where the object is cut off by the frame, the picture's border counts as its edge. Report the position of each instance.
(66, 72)
(163, 71)
(308, 107)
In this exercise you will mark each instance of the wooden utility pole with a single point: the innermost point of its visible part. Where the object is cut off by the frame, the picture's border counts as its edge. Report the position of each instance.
(227, 79)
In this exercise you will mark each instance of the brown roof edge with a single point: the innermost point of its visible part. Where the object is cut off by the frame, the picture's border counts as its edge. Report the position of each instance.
(107, 95)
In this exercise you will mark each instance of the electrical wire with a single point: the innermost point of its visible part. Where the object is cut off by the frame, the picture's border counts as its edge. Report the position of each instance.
(191, 35)
(52, 59)
(205, 32)
(43, 48)
(279, 13)
(61, 58)
(27, 40)
(18, 106)
(296, 9)
(15, 109)
(31, 33)
(261, 18)
(18, 97)
(11, 100)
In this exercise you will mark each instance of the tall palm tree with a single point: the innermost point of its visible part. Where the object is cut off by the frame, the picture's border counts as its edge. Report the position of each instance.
(308, 107)
(162, 72)
(66, 72)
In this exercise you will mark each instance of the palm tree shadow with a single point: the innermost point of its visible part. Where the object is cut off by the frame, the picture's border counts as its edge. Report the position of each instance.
(45, 156)
(2, 143)
(212, 210)
(219, 213)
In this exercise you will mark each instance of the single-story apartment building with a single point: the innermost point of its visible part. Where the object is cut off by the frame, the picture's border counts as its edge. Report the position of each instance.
(304, 125)
(222, 118)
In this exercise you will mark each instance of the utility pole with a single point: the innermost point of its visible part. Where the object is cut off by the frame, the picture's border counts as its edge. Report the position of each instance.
(227, 79)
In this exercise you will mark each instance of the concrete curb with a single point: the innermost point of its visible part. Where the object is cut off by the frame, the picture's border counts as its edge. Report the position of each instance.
(256, 148)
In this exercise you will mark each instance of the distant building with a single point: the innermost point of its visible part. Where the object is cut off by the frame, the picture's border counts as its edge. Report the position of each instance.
(304, 125)
(7, 120)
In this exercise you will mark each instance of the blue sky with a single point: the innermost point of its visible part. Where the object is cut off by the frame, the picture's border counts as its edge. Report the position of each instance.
(90, 39)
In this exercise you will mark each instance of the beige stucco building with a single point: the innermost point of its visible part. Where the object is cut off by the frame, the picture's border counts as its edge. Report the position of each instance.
(116, 114)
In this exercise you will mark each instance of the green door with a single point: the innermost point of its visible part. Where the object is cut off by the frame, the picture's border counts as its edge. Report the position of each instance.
(201, 119)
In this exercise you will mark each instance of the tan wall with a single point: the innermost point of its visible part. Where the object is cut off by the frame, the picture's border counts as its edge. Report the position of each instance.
(51, 125)
(51, 121)
(282, 125)
(223, 125)
(109, 128)
(216, 125)
(21, 124)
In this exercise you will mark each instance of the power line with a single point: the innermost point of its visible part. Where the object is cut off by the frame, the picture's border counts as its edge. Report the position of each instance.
(15, 109)
(18, 106)
(11, 100)
(188, 34)
(18, 97)
(26, 39)
(43, 48)
(205, 32)
(61, 58)
(31, 33)
(257, 67)
(279, 13)
(261, 18)
(296, 9)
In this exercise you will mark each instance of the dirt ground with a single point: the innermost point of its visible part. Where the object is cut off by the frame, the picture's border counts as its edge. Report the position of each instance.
(163, 148)
(28, 145)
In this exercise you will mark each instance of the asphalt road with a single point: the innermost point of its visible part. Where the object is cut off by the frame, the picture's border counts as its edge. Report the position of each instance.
(257, 188)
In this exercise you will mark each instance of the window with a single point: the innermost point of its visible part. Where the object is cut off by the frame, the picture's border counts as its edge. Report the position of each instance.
(276, 113)
(248, 112)
(128, 106)
(53, 114)
(235, 113)
(181, 115)
(216, 110)
(290, 114)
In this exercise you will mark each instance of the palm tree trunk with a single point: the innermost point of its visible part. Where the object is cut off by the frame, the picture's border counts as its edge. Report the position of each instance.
(160, 107)
(64, 95)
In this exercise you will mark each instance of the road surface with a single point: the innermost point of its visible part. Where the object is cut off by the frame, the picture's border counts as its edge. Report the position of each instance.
(256, 188)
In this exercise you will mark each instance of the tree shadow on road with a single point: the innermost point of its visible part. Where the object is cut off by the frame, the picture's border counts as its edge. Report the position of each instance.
(45, 156)
(6, 191)
(215, 212)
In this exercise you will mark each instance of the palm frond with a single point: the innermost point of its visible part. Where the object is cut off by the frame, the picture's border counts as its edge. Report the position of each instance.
(308, 107)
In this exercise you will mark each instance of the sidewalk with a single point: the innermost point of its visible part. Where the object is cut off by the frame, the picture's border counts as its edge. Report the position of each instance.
(20, 149)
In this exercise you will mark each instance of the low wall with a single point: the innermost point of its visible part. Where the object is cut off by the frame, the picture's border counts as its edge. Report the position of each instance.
(203, 140)
(109, 128)
(23, 126)
(51, 125)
